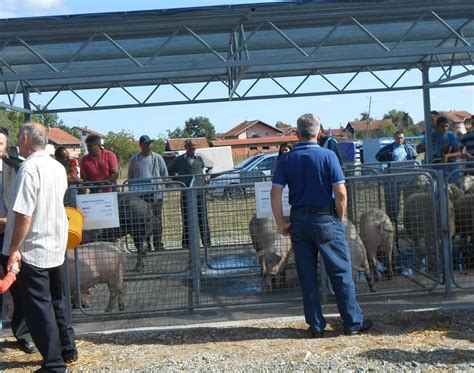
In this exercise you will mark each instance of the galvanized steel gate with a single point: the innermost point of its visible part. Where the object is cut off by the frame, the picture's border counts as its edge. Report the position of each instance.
(426, 252)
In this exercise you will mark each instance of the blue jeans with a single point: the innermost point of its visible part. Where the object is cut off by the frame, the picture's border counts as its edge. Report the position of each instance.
(311, 233)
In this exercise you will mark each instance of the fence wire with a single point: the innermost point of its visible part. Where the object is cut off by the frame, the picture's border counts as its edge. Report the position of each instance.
(207, 248)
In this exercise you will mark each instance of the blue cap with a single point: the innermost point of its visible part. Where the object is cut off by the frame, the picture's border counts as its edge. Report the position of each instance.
(144, 139)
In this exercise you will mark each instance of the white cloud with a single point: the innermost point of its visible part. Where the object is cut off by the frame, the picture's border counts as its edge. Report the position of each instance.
(325, 101)
(399, 102)
(43, 4)
(31, 8)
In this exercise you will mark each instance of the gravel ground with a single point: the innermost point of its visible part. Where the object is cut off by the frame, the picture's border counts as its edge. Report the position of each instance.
(430, 341)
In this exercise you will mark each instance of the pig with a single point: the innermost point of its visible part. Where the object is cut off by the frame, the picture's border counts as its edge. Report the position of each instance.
(358, 253)
(378, 234)
(271, 247)
(136, 219)
(99, 262)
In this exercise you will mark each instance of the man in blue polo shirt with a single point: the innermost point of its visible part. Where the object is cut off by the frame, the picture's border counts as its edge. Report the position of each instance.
(318, 199)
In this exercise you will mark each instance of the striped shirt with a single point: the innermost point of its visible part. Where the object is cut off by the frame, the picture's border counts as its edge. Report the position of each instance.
(38, 192)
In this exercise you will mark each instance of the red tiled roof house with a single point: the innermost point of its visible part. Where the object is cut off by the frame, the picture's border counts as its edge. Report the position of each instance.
(58, 137)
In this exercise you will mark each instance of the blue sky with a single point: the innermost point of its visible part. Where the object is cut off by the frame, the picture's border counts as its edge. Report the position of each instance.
(334, 110)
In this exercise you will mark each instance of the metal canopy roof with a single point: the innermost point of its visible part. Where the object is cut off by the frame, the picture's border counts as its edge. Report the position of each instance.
(229, 45)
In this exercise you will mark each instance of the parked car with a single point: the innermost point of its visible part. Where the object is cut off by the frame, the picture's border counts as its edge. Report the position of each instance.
(251, 170)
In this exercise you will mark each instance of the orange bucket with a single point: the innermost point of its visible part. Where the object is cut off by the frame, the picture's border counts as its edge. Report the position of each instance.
(76, 221)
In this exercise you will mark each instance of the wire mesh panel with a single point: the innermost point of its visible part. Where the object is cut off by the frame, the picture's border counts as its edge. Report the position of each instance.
(248, 260)
(395, 223)
(461, 193)
(145, 253)
(182, 248)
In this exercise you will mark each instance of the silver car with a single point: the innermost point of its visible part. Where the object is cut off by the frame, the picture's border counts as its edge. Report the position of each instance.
(253, 169)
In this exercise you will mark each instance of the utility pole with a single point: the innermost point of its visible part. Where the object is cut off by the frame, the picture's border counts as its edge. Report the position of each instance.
(368, 117)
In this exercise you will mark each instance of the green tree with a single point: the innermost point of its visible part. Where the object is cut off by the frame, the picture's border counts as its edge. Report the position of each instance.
(48, 119)
(178, 133)
(13, 121)
(399, 118)
(364, 116)
(123, 144)
(282, 125)
(53, 120)
(385, 130)
(200, 127)
(159, 145)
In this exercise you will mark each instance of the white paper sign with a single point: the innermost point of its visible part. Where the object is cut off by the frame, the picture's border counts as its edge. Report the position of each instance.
(100, 210)
(263, 202)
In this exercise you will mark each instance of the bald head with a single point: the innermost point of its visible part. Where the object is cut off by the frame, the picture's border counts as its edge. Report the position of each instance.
(37, 135)
(33, 137)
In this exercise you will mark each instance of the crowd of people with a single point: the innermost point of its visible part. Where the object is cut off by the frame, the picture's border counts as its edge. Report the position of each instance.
(34, 226)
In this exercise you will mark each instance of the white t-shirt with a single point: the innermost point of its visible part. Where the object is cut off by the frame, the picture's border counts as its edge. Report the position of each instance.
(38, 192)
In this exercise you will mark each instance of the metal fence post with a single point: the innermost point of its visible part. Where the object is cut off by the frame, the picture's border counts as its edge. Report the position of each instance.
(67, 289)
(443, 215)
(194, 249)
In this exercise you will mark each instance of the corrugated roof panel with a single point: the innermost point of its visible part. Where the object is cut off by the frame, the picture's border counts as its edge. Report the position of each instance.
(212, 43)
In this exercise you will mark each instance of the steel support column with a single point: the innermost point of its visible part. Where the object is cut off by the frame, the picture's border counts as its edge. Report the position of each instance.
(26, 103)
(427, 112)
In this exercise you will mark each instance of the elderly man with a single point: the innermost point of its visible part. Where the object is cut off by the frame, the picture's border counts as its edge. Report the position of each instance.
(318, 199)
(100, 165)
(7, 177)
(190, 165)
(150, 168)
(36, 236)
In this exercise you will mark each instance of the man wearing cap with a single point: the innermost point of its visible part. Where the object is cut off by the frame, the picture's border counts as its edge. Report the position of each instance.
(318, 199)
(100, 165)
(149, 168)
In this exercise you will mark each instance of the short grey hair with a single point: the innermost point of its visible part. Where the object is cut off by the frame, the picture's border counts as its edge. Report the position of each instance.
(308, 126)
(37, 134)
(188, 141)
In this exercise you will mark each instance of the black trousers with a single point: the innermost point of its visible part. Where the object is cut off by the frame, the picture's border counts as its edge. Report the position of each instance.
(47, 316)
(18, 322)
(202, 219)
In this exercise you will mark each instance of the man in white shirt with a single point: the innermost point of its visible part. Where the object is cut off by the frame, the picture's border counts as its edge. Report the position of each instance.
(7, 177)
(36, 237)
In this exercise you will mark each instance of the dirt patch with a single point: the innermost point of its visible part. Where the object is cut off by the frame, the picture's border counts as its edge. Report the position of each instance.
(424, 341)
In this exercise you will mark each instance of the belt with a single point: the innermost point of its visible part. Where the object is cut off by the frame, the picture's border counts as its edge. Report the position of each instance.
(314, 210)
